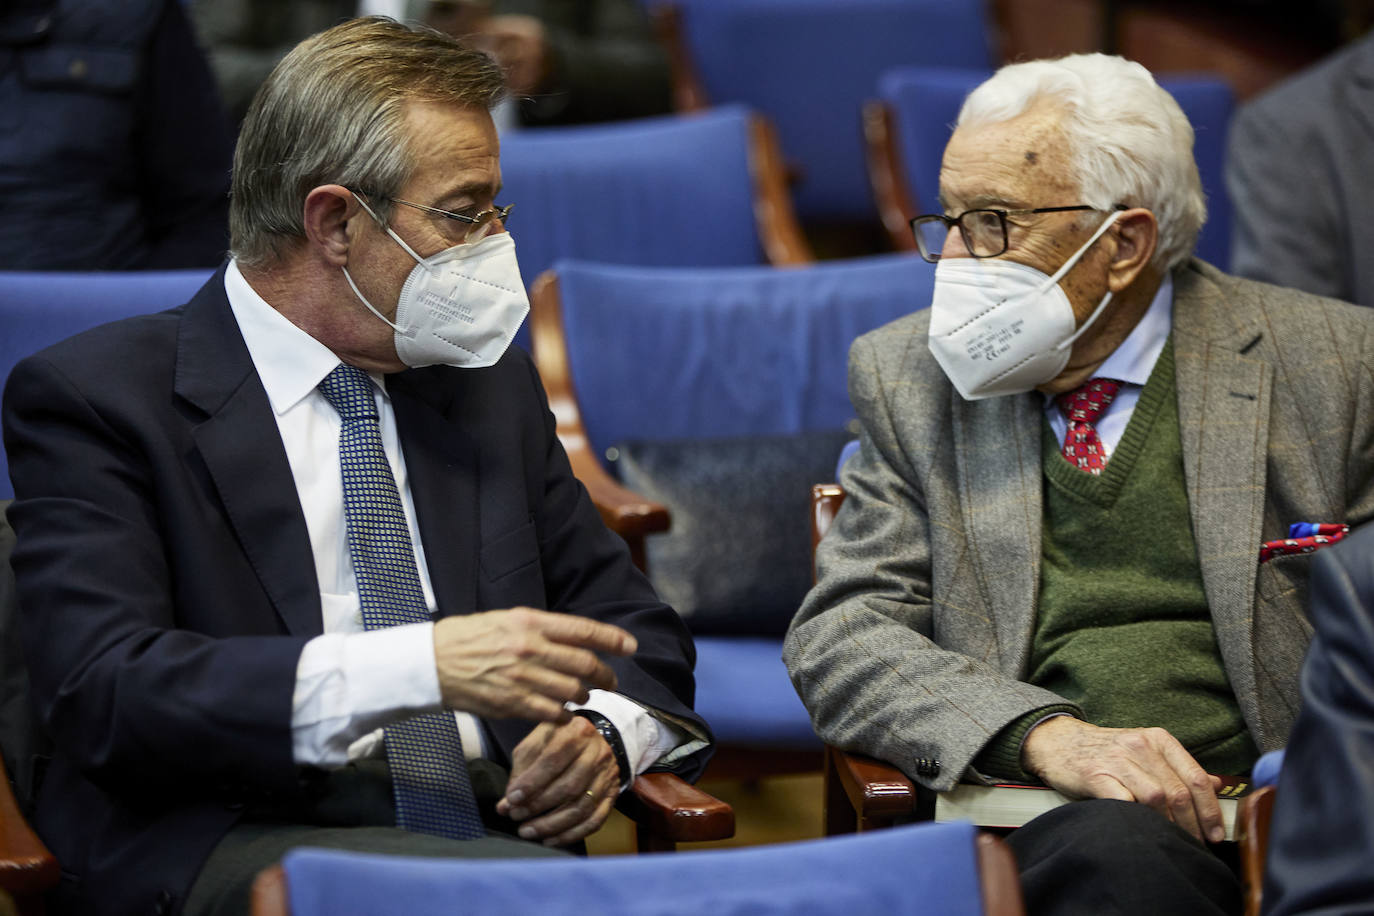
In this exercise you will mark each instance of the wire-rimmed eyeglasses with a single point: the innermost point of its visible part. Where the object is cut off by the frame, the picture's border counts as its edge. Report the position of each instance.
(984, 230)
(479, 225)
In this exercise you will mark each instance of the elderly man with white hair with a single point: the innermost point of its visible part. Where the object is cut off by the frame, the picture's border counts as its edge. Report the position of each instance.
(1066, 552)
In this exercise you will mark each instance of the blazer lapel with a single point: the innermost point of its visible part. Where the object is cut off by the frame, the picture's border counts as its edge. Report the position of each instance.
(1223, 405)
(442, 462)
(997, 445)
(239, 443)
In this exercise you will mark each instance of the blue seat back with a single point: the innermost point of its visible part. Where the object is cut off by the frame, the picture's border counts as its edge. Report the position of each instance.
(926, 102)
(1267, 768)
(919, 868)
(808, 65)
(673, 191)
(38, 309)
(691, 353)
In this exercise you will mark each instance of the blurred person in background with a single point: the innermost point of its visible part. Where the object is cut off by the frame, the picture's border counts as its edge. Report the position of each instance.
(114, 149)
(566, 61)
(1298, 165)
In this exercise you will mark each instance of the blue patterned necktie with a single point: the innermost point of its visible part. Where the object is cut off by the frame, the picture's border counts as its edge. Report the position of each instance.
(428, 769)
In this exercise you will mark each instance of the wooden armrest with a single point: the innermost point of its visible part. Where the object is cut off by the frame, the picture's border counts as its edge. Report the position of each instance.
(1252, 833)
(27, 868)
(269, 892)
(689, 94)
(675, 810)
(779, 229)
(1000, 878)
(886, 176)
(875, 789)
(625, 512)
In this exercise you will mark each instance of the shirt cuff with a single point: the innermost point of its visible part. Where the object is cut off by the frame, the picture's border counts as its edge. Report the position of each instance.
(645, 737)
(350, 684)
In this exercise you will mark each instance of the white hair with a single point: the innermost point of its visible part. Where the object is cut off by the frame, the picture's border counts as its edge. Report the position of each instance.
(1129, 142)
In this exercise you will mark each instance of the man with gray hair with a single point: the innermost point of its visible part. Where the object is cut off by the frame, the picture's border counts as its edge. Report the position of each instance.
(302, 561)
(1049, 564)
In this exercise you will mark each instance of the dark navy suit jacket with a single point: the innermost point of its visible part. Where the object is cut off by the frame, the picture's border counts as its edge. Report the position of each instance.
(1321, 839)
(167, 584)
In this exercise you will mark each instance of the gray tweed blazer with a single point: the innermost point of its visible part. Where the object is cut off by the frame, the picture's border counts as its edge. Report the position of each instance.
(911, 646)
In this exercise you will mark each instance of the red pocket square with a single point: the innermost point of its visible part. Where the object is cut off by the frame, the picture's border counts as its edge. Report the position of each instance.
(1303, 537)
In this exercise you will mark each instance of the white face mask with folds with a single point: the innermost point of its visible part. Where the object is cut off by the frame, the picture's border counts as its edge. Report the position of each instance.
(460, 307)
(998, 327)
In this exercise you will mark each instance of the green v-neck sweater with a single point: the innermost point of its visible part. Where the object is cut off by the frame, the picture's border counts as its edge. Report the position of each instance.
(1122, 626)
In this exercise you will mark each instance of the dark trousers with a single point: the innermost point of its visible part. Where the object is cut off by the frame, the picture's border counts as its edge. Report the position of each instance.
(1109, 857)
(354, 810)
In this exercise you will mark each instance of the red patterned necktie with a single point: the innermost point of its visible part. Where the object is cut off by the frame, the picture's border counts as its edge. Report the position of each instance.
(1081, 408)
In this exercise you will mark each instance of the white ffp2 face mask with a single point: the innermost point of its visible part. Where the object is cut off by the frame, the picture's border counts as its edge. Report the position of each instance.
(998, 327)
(460, 307)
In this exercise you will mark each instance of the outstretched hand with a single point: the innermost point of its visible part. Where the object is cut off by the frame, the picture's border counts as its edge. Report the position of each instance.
(524, 663)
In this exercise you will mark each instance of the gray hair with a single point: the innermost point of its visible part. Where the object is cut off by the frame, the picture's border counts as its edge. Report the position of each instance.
(1129, 142)
(333, 112)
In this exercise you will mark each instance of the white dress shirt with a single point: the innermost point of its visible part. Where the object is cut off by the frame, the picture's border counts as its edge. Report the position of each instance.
(1130, 363)
(351, 681)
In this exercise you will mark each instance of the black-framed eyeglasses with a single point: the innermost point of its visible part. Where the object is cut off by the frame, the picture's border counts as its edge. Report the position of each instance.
(479, 225)
(984, 230)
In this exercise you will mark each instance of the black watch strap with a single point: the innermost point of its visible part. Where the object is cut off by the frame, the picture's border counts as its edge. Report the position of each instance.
(612, 736)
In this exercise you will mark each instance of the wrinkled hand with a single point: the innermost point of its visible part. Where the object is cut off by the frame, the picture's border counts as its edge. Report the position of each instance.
(524, 663)
(563, 782)
(1145, 765)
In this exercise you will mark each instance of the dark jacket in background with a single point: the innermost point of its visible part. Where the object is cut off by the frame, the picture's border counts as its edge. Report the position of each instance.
(114, 149)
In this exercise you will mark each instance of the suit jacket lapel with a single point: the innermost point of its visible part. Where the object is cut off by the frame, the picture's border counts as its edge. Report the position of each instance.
(998, 456)
(1223, 404)
(239, 443)
(442, 462)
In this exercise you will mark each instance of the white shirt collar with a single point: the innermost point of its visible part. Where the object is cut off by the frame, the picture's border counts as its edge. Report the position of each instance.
(1134, 359)
(289, 361)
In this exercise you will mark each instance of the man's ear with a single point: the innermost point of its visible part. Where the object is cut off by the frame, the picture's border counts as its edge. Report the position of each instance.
(328, 212)
(1137, 233)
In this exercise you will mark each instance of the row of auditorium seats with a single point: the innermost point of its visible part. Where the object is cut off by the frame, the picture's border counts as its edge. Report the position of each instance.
(708, 190)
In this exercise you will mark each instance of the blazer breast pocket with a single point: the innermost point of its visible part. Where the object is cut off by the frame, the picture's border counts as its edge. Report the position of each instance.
(1284, 575)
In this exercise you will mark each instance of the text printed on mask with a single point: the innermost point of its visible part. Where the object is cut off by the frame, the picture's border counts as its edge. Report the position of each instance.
(994, 342)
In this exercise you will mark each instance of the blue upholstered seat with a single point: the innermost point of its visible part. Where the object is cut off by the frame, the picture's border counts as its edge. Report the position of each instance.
(808, 65)
(670, 191)
(924, 103)
(1267, 768)
(38, 309)
(740, 375)
(921, 868)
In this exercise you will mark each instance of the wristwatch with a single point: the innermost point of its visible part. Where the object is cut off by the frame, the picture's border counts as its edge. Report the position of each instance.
(612, 736)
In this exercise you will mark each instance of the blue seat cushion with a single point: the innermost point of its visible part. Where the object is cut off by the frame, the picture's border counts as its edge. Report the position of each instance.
(744, 692)
(738, 557)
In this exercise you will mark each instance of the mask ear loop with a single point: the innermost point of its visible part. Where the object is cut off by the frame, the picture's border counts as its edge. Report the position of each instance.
(1068, 265)
(357, 292)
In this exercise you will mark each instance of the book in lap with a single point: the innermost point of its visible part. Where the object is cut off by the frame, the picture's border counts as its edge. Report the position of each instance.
(1013, 804)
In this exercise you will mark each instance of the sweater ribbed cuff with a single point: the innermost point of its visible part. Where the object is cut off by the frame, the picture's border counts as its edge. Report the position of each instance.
(1000, 758)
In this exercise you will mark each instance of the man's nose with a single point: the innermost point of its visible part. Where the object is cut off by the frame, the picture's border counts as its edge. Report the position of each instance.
(954, 246)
